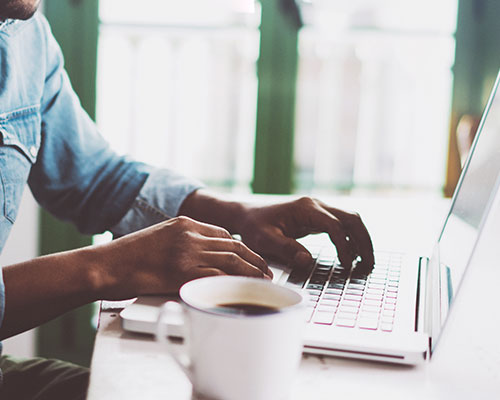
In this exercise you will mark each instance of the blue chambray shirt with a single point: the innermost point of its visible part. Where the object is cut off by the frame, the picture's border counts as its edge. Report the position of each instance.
(48, 142)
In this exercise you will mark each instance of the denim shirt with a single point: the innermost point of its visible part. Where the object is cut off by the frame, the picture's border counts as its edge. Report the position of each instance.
(48, 142)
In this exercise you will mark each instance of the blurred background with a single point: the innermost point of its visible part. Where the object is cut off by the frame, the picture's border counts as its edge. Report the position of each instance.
(272, 96)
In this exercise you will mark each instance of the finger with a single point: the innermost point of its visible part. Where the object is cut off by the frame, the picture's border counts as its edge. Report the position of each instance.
(238, 247)
(359, 235)
(232, 264)
(209, 230)
(321, 219)
(285, 250)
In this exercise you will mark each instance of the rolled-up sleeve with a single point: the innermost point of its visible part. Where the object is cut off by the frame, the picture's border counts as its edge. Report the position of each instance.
(160, 199)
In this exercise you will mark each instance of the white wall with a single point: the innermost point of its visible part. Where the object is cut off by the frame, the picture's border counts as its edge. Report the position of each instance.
(21, 245)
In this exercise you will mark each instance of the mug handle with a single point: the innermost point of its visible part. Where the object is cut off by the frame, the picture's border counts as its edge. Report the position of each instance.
(180, 356)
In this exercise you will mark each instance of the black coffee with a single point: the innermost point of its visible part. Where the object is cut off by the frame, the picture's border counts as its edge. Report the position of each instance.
(245, 309)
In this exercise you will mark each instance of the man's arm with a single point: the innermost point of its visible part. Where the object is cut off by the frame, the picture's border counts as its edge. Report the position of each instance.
(44, 288)
(156, 260)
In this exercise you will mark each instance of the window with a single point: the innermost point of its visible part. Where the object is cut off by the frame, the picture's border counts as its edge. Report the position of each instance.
(177, 87)
(374, 94)
(177, 84)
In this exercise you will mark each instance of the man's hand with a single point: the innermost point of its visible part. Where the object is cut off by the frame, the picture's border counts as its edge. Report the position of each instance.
(271, 230)
(161, 258)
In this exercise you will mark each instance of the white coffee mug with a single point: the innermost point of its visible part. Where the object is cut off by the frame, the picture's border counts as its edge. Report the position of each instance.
(229, 354)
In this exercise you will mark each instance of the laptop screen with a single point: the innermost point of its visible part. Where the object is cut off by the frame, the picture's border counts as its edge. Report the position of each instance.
(470, 205)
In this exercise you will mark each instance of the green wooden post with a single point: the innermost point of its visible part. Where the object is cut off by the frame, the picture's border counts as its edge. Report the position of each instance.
(277, 72)
(477, 60)
(75, 26)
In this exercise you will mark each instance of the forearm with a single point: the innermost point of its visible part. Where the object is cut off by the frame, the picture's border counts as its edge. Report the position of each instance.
(46, 287)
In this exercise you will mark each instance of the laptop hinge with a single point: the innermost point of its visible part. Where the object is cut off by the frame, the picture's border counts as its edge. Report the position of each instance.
(423, 265)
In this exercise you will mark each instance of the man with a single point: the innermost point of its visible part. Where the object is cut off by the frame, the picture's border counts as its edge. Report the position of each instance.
(182, 231)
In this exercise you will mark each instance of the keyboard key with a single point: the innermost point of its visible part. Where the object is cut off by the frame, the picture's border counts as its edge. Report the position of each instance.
(332, 297)
(353, 292)
(315, 286)
(314, 292)
(365, 317)
(370, 309)
(326, 258)
(327, 307)
(336, 285)
(322, 317)
(320, 276)
(347, 323)
(374, 291)
(350, 303)
(334, 291)
(321, 266)
(375, 303)
(355, 286)
(317, 281)
(368, 323)
(358, 281)
(376, 286)
(386, 327)
(352, 297)
(372, 296)
(388, 313)
(328, 302)
(382, 281)
(392, 295)
(390, 301)
(378, 275)
(347, 313)
(353, 311)
(389, 307)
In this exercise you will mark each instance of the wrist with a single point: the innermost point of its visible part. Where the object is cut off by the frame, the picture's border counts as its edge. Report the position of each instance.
(100, 276)
(204, 206)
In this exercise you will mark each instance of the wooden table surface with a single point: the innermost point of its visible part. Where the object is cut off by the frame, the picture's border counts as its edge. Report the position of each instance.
(466, 364)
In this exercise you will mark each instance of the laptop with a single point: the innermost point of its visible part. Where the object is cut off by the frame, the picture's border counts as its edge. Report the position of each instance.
(397, 312)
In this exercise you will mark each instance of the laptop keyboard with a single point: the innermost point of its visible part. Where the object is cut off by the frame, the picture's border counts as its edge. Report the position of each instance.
(344, 298)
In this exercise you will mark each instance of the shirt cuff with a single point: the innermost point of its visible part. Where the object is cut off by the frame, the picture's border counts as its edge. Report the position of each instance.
(159, 199)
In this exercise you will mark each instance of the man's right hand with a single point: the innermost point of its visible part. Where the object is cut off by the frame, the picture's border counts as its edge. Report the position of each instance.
(161, 258)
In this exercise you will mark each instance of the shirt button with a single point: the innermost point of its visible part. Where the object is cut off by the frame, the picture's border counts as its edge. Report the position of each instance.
(33, 151)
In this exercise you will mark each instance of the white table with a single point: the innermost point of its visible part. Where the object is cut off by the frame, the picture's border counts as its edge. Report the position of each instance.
(466, 364)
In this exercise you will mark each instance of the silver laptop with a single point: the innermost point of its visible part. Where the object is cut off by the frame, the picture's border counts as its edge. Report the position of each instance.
(397, 312)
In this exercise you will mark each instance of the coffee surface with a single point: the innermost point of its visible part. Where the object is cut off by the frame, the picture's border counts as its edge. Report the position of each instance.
(245, 309)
